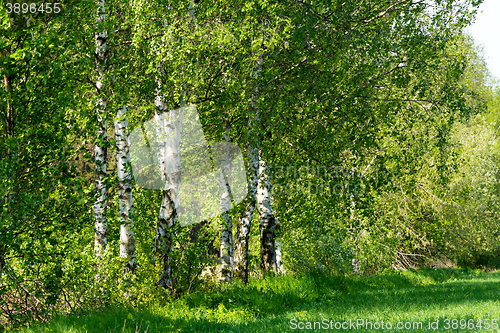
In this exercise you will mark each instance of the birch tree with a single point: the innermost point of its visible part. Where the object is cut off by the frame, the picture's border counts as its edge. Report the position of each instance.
(127, 237)
(244, 222)
(266, 220)
(168, 137)
(280, 266)
(354, 234)
(167, 215)
(169, 129)
(101, 153)
(279, 256)
(226, 243)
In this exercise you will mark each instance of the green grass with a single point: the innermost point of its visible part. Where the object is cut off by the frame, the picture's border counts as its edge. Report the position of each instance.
(269, 305)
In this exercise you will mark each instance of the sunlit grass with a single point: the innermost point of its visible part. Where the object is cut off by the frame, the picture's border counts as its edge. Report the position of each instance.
(274, 304)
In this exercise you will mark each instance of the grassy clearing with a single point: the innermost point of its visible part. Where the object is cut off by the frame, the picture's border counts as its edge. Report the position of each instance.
(269, 305)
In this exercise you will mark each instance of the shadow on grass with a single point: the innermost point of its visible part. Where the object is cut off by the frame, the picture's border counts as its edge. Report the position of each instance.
(423, 286)
(123, 320)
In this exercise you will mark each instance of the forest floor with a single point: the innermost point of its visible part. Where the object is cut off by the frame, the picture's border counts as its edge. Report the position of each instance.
(426, 300)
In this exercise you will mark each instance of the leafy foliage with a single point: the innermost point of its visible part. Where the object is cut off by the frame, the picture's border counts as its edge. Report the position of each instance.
(376, 119)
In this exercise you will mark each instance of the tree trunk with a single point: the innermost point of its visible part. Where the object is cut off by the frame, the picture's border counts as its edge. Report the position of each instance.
(266, 221)
(127, 237)
(279, 258)
(168, 127)
(101, 153)
(226, 243)
(2, 261)
(243, 231)
(277, 243)
(355, 260)
(244, 222)
(163, 239)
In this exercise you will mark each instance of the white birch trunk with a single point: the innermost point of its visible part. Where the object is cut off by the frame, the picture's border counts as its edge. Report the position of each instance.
(163, 239)
(244, 222)
(101, 153)
(279, 257)
(266, 220)
(168, 139)
(127, 237)
(226, 244)
(355, 260)
(277, 243)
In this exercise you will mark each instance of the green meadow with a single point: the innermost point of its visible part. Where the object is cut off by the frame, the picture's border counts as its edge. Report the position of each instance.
(457, 300)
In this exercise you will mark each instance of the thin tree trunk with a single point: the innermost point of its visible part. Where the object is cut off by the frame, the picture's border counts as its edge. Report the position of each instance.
(168, 139)
(266, 221)
(355, 260)
(277, 243)
(279, 257)
(163, 239)
(127, 237)
(226, 244)
(101, 153)
(244, 222)
(2, 261)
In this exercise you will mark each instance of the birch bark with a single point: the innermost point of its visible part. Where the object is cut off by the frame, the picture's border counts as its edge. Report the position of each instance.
(266, 220)
(279, 258)
(168, 134)
(127, 237)
(244, 222)
(277, 242)
(101, 152)
(226, 244)
(168, 139)
(355, 260)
